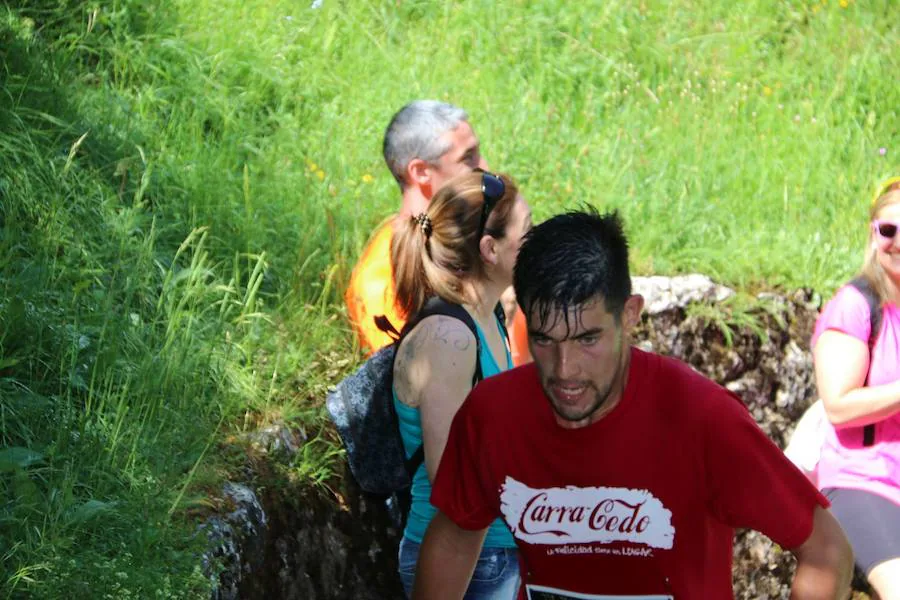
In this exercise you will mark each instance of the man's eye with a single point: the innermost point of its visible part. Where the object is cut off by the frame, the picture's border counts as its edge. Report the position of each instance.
(588, 340)
(541, 341)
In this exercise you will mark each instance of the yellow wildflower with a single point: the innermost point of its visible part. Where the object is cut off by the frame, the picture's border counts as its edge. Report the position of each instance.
(367, 178)
(767, 91)
(320, 174)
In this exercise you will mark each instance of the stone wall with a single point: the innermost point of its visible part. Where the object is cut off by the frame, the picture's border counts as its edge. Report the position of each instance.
(314, 544)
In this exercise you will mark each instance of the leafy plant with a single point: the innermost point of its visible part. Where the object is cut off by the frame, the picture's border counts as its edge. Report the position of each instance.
(738, 313)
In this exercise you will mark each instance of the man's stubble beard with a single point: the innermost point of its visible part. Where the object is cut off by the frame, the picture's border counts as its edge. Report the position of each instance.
(600, 398)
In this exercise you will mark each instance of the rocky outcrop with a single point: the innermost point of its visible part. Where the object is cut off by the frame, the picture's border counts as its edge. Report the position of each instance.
(759, 350)
(280, 538)
(237, 542)
(316, 543)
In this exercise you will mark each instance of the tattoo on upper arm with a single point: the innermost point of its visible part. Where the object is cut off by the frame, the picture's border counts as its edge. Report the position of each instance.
(444, 335)
(448, 334)
(404, 364)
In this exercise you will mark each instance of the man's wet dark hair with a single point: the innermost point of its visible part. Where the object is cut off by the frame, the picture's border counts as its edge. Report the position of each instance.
(572, 259)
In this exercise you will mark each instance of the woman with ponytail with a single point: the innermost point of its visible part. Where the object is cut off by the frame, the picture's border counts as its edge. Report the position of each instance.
(461, 250)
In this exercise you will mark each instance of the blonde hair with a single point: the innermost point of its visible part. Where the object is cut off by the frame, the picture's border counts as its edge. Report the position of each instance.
(437, 255)
(871, 268)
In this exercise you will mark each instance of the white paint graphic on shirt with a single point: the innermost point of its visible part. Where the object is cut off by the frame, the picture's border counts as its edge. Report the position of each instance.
(584, 515)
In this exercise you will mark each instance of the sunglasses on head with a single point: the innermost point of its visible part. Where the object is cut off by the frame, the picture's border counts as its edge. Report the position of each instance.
(888, 185)
(886, 230)
(492, 189)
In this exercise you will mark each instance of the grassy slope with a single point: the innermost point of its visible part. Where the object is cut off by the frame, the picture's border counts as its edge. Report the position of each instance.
(175, 276)
(740, 143)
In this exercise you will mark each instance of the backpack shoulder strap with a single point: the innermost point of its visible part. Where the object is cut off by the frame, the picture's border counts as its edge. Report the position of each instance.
(413, 462)
(384, 324)
(501, 318)
(865, 288)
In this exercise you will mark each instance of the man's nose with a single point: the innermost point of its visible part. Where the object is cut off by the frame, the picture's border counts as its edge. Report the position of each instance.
(566, 366)
(482, 164)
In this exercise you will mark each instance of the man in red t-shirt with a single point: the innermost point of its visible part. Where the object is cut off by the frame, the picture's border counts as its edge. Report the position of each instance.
(620, 473)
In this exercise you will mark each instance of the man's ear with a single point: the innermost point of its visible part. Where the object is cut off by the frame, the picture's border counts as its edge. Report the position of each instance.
(631, 315)
(487, 246)
(418, 174)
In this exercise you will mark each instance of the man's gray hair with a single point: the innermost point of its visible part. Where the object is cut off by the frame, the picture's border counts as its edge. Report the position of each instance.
(415, 132)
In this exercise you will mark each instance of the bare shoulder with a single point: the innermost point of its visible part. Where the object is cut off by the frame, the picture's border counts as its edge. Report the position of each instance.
(439, 348)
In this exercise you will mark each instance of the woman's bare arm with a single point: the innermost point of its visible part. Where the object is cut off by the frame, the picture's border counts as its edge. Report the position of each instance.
(434, 370)
(841, 363)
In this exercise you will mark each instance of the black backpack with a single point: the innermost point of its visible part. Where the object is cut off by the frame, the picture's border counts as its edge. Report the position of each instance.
(362, 409)
(865, 288)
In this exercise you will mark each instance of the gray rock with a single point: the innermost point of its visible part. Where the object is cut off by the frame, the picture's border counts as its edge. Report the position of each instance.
(317, 544)
(236, 542)
(278, 439)
(666, 293)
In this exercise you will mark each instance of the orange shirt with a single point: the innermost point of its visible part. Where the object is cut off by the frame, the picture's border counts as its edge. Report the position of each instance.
(518, 339)
(371, 293)
(371, 290)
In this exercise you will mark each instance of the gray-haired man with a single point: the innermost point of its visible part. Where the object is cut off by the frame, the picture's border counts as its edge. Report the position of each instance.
(426, 143)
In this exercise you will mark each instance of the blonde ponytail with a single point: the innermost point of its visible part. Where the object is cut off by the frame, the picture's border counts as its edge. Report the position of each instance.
(435, 253)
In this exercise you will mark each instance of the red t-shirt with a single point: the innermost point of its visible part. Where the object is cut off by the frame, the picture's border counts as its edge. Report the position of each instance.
(643, 502)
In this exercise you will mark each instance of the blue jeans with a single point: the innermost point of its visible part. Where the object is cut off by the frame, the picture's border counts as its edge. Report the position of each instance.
(496, 575)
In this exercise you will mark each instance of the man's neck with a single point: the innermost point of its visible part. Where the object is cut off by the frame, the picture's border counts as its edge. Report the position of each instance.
(413, 202)
(618, 391)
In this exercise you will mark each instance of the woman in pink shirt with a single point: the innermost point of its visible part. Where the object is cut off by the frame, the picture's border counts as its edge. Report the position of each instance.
(859, 383)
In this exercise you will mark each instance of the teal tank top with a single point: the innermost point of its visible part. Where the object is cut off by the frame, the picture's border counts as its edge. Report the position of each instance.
(421, 510)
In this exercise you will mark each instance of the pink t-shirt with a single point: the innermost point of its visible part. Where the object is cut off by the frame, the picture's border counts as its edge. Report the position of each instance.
(845, 462)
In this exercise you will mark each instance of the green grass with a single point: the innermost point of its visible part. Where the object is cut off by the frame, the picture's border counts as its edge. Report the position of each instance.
(184, 187)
